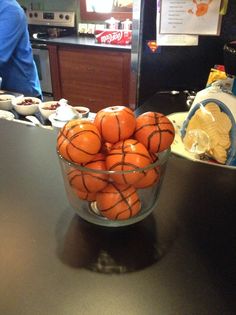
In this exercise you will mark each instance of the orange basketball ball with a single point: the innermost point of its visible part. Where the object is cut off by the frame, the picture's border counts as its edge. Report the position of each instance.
(154, 157)
(106, 147)
(115, 123)
(79, 140)
(150, 178)
(85, 195)
(127, 155)
(155, 131)
(118, 202)
(90, 180)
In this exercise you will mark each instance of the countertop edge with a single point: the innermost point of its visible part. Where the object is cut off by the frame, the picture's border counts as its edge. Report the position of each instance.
(80, 41)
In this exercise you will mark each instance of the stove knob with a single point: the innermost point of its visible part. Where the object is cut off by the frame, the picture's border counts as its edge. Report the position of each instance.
(67, 17)
(36, 14)
(61, 16)
(30, 15)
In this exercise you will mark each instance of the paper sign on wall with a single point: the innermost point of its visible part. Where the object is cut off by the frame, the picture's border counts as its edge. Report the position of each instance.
(200, 17)
(172, 39)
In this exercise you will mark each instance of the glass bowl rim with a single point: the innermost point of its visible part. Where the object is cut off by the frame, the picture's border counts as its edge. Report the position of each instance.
(162, 158)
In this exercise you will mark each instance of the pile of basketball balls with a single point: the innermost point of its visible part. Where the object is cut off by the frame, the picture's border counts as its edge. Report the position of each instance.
(115, 141)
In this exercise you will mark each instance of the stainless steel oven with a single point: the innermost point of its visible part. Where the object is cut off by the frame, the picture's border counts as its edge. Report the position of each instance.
(44, 25)
(41, 58)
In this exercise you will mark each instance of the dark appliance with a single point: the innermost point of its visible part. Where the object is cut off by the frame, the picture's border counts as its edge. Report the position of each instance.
(174, 67)
(43, 26)
(230, 58)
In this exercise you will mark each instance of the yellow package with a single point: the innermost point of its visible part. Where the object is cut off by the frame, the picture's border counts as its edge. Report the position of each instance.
(215, 75)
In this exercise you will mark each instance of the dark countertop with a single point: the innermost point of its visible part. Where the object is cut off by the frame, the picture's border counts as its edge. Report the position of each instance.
(165, 103)
(83, 41)
(179, 260)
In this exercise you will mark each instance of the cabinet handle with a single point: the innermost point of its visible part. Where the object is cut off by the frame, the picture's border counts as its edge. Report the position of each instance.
(92, 100)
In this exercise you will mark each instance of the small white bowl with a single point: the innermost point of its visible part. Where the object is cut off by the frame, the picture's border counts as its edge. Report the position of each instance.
(6, 115)
(26, 105)
(48, 108)
(63, 114)
(56, 124)
(83, 111)
(6, 101)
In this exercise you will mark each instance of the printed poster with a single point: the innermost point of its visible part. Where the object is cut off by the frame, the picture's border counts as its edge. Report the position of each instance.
(200, 17)
(172, 39)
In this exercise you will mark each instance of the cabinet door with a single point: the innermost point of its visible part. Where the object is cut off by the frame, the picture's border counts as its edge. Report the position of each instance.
(94, 78)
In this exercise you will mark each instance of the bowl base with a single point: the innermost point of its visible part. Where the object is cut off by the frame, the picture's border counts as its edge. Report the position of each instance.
(92, 215)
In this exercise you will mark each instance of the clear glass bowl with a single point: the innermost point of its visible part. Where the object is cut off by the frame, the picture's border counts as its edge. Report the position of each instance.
(89, 211)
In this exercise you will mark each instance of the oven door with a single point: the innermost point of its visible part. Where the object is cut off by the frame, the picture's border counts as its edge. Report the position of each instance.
(41, 58)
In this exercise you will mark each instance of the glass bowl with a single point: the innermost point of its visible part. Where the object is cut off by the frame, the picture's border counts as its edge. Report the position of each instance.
(89, 211)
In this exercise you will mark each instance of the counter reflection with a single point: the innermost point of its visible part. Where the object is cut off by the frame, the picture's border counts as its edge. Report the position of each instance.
(114, 250)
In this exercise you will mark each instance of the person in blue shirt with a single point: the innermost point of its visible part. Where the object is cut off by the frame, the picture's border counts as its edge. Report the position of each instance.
(17, 67)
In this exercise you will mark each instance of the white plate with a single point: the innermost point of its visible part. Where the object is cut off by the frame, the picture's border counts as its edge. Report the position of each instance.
(177, 146)
(6, 115)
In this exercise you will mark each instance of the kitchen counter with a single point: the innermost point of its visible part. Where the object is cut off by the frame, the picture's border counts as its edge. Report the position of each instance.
(179, 260)
(83, 41)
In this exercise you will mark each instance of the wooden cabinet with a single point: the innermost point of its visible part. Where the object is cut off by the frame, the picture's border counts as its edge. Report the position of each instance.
(95, 78)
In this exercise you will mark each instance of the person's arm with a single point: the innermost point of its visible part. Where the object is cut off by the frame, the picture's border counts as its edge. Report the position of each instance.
(12, 24)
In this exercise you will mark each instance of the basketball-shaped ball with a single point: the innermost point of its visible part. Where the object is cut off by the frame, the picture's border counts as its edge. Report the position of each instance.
(154, 157)
(151, 177)
(115, 123)
(85, 195)
(128, 155)
(118, 202)
(106, 147)
(78, 141)
(91, 179)
(155, 131)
